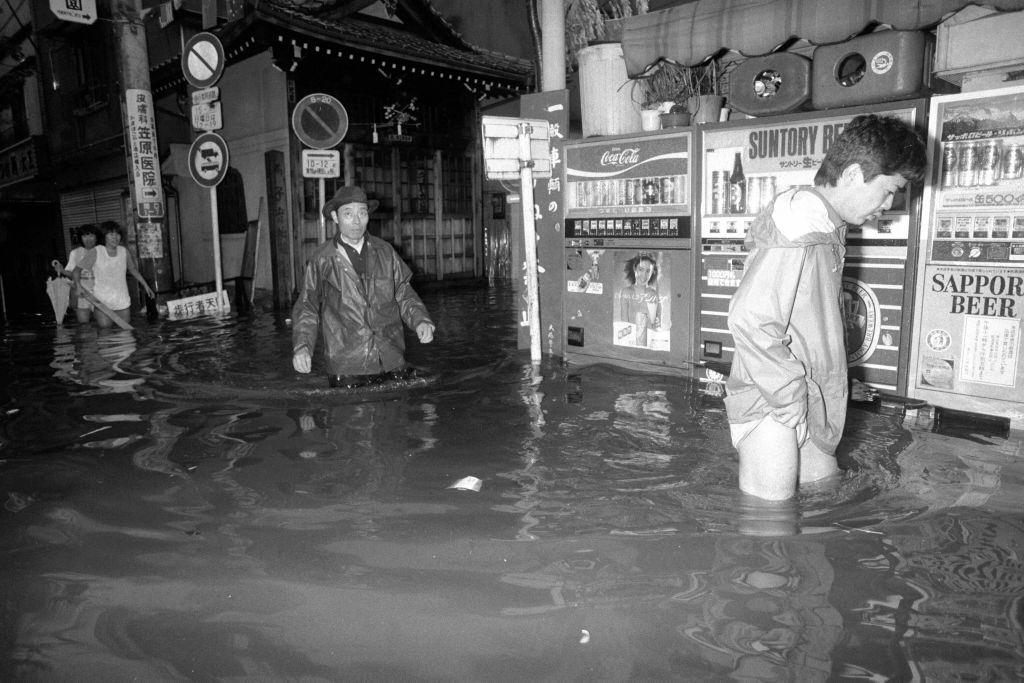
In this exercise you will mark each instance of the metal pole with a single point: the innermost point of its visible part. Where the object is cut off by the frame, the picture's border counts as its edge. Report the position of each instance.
(322, 190)
(218, 274)
(529, 239)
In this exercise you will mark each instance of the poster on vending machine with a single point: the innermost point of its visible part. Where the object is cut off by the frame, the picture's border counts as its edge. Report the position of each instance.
(642, 316)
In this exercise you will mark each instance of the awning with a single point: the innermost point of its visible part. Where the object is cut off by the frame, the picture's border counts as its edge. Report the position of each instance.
(690, 33)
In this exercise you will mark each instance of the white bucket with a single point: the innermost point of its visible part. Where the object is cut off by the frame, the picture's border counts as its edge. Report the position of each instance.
(606, 92)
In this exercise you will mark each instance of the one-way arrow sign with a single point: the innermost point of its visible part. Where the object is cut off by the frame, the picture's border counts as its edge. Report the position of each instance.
(78, 11)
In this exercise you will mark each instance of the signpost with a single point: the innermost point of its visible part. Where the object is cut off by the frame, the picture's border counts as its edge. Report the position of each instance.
(202, 63)
(320, 121)
(78, 11)
(519, 148)
(208, 163)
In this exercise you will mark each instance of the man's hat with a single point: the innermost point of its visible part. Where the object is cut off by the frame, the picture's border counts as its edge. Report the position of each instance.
(348, 195)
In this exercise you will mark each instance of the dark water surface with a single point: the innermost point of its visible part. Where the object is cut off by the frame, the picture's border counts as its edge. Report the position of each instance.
(179, 504)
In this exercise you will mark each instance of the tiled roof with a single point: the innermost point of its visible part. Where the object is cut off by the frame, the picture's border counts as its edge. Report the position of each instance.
(382, 38)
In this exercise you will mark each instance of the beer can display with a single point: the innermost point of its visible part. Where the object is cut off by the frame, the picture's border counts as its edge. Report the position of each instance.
(723, 192)
(966, 164)
(1013, 161)
(949, 167)
(753, 195)
(989, 161)
(716, 194)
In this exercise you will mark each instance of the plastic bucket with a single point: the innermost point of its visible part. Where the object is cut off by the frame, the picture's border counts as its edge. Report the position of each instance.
(606, 92)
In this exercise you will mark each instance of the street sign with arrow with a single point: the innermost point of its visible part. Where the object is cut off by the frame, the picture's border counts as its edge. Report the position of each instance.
(78, 11)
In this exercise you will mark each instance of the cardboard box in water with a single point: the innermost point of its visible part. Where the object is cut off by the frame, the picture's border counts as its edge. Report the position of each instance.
(977, 38)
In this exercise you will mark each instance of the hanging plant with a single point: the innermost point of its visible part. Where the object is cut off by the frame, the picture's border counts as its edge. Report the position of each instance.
(584, 22)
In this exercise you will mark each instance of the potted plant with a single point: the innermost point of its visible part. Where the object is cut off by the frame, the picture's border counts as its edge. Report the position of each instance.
(693, 90)
(661, 85)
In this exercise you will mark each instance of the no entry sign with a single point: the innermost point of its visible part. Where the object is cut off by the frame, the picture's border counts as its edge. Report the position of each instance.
(319, 121)
(208, 159)
(202, 61)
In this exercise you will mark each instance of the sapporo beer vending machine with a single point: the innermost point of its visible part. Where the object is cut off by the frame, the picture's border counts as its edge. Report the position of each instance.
(970, 295)
(743, 165)
(629, 267)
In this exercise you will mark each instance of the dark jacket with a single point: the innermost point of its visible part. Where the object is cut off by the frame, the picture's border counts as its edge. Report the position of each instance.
(361, 318)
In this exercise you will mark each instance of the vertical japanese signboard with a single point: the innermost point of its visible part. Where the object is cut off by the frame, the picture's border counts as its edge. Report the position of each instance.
(149, 192)
(967, 353)
(552, 107)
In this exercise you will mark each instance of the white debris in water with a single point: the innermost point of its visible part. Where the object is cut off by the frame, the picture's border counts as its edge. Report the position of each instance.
(467, 484)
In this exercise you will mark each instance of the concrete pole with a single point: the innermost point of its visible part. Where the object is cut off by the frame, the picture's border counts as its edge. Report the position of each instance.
(133, 68)
(552, 21)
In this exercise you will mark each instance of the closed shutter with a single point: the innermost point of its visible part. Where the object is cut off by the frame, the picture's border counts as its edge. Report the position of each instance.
(93, 205)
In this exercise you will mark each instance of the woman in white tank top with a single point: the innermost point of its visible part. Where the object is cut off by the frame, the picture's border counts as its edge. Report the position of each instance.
(109, 264)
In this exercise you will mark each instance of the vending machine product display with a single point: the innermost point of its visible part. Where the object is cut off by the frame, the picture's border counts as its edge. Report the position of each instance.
(628, 250)
(970, 296)
(743, 165)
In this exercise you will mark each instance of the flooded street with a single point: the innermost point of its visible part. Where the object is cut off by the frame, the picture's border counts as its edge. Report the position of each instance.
(180, 504)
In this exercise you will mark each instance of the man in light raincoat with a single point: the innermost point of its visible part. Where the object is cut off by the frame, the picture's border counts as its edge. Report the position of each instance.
(356, 294)
(787, 389)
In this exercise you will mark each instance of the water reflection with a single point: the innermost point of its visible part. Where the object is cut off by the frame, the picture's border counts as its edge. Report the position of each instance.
(762, 612)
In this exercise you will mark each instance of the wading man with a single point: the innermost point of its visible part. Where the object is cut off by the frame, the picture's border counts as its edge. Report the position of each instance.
(356, 295)
(787, 390)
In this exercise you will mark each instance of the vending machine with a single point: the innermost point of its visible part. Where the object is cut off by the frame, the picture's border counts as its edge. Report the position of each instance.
(743, 165)
(970, 296)
(629, 262)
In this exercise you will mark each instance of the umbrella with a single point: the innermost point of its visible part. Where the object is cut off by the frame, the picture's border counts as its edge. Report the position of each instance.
(59, 291)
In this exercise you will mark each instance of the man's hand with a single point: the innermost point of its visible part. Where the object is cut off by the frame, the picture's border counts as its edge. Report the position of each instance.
(301, 361)
(425, 331)
(791, 415)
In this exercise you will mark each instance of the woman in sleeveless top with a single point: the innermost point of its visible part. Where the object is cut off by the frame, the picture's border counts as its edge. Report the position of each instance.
(109, 264)
(88, 234)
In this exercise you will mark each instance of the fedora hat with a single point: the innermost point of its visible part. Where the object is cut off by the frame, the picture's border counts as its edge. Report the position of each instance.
(348, 195)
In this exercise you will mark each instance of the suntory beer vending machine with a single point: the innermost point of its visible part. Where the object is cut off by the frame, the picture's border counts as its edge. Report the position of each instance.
(970, 295)
(629, 267)
(743, 165)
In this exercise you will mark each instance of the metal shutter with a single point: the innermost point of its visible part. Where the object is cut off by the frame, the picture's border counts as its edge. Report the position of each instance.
(93, 205)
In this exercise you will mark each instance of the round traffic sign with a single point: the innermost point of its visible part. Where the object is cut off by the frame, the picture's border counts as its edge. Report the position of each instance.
(202, 60)
(319, 121)
(208, 159)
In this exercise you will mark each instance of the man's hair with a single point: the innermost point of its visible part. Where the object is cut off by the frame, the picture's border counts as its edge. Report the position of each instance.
(882, 145)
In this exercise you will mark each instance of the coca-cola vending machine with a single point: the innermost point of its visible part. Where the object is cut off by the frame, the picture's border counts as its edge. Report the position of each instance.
(743, 165)
(970, 296)
(629, 250)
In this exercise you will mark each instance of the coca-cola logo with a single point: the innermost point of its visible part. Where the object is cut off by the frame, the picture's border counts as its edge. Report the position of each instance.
(623, 157)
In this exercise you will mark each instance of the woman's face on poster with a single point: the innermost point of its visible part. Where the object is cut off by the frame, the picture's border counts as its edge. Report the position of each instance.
(643, 270)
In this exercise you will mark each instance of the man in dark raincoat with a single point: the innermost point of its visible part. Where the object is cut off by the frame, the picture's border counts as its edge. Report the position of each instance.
(356, 292)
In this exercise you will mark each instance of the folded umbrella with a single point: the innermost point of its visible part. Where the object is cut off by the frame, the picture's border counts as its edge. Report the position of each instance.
(59, 291)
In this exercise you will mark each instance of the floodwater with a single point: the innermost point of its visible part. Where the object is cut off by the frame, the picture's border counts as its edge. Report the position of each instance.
(179, 504)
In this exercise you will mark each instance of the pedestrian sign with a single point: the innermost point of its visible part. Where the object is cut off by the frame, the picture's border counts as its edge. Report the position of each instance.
(208, 159)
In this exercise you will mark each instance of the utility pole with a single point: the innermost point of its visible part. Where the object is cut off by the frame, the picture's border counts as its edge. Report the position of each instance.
(141, 149)
(552, 21)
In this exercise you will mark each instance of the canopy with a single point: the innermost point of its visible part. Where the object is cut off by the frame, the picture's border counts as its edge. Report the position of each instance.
(690, 33)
